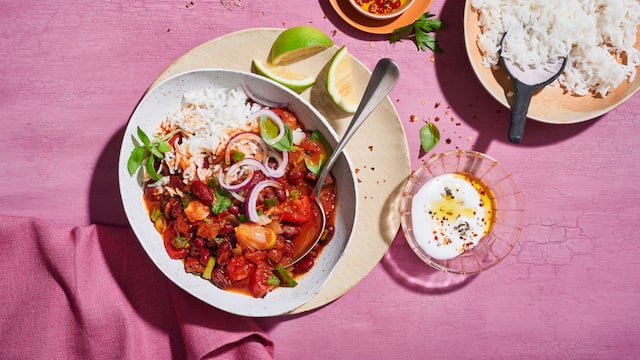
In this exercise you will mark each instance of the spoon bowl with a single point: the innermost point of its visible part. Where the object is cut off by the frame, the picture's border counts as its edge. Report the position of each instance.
(384, 77)
(525, 83)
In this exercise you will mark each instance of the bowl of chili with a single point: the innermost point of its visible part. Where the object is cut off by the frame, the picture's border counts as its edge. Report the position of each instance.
(221, 206)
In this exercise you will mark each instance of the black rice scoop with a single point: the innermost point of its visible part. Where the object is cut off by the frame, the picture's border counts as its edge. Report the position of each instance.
(525, 83)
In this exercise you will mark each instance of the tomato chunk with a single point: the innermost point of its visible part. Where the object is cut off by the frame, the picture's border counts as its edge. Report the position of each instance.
(258, 286)
(297, 210)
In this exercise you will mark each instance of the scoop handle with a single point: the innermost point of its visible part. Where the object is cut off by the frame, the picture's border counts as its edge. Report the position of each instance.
(521, 99)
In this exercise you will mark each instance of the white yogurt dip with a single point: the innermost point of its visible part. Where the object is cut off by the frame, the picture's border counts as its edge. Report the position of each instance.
(450, 214)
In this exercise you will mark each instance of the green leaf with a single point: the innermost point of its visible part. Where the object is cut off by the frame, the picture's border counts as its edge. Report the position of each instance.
(220, 203)
(164, 146)
(419, 31)
(429, 136)
(151, 169)
(268, 131)
(316, 168)
(143, 137)
(155, 152)
(135, 159)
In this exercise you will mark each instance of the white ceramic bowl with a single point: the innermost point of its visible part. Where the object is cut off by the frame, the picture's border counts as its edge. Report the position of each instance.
(397, 12)
(164, 99)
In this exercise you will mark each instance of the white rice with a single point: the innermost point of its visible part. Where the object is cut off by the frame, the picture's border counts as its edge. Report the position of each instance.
(207, 119)
(598, 35)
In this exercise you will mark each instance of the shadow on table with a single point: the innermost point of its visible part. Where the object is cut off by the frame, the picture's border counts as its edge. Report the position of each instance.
(404, 266)
(105, 206)
(466, 95)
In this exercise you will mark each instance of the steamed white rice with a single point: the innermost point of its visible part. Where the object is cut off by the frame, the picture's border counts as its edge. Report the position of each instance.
(207, 119)
(598, 35)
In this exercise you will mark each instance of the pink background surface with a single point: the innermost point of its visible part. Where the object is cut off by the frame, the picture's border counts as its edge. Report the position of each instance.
(73, 72)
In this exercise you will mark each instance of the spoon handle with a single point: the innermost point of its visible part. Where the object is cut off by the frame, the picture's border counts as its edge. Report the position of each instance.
(384, 77)
(521, 99)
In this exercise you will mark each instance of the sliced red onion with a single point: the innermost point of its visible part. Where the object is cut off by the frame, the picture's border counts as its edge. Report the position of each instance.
(224, 177)
(237, 196)
(252, 201)
(281, 158)
(276, 119)
(248, 136)
(268, 103)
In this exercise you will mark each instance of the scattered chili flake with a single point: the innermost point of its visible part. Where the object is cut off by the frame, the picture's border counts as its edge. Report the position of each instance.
(432, 58)
(413, 118)
(370, 147)
(436, 119)
(437, 105)
(356, 170)
(334, 32)
(448, 140)
(373, 169)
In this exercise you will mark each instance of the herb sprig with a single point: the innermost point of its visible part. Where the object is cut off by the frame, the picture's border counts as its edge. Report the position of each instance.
(148, 152)
(419, 32)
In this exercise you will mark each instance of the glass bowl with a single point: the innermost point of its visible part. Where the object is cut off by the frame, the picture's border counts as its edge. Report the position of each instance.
(507, 218)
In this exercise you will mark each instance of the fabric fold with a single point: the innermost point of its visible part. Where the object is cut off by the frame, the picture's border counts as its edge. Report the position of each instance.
(92, 292)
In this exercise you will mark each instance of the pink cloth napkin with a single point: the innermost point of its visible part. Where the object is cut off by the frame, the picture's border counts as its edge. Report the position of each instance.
(91, 292)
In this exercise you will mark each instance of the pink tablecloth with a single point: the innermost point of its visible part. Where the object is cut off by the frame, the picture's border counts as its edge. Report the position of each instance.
(76, 284)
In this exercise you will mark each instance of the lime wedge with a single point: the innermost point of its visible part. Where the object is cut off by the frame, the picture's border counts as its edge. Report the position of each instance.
(340, 81)
(290, 78)
(296, 43)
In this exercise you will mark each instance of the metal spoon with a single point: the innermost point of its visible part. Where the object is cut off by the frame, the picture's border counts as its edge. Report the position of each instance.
(525, 83)
(383, 79)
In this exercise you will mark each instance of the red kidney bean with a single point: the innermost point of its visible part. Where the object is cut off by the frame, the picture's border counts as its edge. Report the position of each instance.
(204, 256)
(281, 195)
(295, 177)
(224, 253)
(202, 192)
(233, 210)
(227, 228)
(290, 231)
(219, 278)
(304, 265)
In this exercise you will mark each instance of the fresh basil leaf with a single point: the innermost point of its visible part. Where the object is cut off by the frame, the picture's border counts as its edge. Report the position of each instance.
(143, 137)
(135, 159)
(164, 146)
(151, 170)
(268, 131)
(314, 168)
(429, 136)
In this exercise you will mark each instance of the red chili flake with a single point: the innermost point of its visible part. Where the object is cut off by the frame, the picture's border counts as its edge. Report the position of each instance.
(448, 140)
(373, 169)
(334, 32)
(413, 118)
(437, 104)
(436, 119)
(370, 147)
(357, 170)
